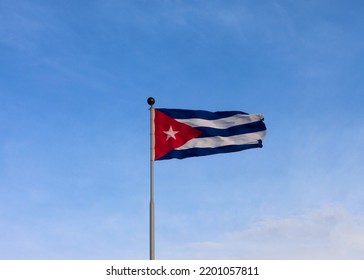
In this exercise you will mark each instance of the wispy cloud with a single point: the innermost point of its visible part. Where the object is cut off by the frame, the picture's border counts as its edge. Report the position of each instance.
(22, 24)
(330, 232)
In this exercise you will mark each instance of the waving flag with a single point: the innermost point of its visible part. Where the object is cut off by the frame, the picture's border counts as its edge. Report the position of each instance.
(189, 133)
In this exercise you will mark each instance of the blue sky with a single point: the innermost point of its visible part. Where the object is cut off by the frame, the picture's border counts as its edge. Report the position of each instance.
(74, 129)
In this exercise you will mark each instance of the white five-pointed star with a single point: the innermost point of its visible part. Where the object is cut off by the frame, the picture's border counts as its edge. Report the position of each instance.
(171, 133)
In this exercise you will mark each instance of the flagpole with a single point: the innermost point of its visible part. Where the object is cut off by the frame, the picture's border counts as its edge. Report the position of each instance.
(151, 102)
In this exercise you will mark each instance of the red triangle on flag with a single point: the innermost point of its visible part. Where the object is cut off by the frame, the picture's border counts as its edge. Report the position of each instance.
(170, 134)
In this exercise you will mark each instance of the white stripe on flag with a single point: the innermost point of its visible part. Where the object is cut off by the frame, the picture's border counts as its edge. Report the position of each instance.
(219, 141)
(223, 123)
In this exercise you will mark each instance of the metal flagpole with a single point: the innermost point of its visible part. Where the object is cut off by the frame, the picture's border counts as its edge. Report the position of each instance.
(151, 102)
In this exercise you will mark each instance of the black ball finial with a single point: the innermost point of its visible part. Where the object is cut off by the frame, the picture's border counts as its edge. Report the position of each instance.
(151, 101)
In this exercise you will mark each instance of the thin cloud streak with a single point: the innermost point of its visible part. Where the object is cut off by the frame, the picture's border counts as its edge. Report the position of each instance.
(329, 232)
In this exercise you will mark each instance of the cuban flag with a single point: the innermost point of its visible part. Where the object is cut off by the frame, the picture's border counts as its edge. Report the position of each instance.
(182, 133)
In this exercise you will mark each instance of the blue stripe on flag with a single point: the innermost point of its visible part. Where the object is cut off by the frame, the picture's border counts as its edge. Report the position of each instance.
(199, 114)
(196, 152)
(231, 131)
